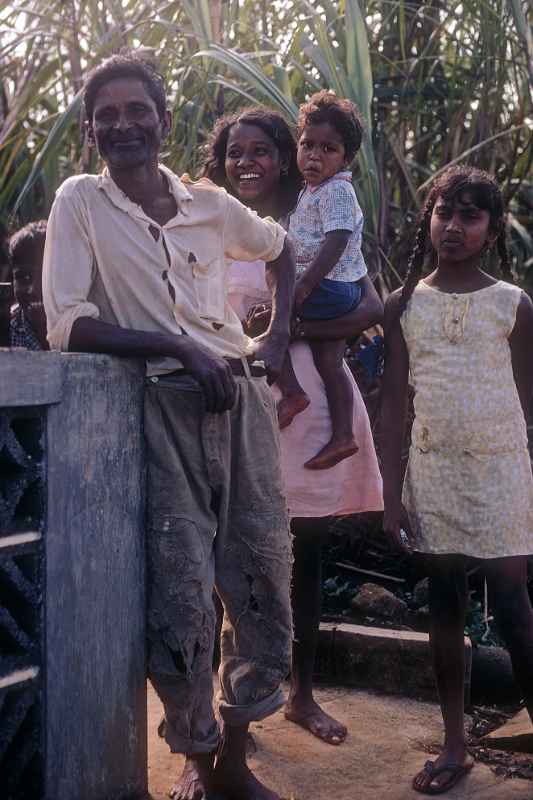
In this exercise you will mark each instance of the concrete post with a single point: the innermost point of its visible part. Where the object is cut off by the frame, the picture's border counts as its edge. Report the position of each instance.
(73, 682)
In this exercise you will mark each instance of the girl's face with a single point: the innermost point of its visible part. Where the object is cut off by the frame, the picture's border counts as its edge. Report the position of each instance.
(321, 153)
(253, 164)
(459, 229)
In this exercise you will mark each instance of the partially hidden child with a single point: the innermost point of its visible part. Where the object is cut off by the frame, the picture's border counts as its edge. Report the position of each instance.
(463, 339)
(325, 229)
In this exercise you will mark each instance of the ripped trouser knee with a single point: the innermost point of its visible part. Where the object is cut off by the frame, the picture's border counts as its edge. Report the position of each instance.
(181, 625)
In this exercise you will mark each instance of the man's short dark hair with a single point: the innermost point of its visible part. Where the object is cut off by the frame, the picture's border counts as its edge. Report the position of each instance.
(26, 245)
(125, 65)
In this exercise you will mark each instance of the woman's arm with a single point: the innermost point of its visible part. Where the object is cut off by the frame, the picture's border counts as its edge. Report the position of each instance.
(520, 343)
(369, 312)
(392, 420)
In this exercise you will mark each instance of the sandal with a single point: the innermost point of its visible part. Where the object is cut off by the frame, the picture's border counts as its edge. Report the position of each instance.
(457, 771)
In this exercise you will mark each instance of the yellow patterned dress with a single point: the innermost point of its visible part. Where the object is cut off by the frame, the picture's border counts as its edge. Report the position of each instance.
(468, 487)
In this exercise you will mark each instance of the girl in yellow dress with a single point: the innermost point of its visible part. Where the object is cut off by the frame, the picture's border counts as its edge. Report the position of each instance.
(463, 339)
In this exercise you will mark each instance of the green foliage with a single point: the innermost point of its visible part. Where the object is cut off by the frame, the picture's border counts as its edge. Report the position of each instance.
(436, 82)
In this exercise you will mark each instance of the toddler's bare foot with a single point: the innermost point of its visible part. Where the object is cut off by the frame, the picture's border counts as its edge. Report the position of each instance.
(238, 782)
(289, 406)
(332, 453)
(310, 716)
(196, 778)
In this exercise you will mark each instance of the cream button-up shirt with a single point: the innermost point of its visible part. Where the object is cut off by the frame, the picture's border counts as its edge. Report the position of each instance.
(105, 258)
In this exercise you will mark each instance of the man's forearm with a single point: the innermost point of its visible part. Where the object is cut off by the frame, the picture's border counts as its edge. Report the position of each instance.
(94, 336)
(281, 275)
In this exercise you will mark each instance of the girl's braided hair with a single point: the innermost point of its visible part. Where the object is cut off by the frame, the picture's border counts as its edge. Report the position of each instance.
(276, 128)
(486, 194)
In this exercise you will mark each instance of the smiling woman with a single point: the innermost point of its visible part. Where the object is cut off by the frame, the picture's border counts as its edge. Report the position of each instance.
(253, 155)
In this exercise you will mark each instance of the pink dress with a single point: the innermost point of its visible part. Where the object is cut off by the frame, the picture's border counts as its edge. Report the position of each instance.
(353, 485)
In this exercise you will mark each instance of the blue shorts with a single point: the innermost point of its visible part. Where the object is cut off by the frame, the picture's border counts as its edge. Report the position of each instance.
(331, 299)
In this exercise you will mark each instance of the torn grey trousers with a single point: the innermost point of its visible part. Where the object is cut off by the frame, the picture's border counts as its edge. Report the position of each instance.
(216, 517)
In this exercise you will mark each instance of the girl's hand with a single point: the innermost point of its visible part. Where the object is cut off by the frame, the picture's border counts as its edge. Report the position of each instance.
(396, 526)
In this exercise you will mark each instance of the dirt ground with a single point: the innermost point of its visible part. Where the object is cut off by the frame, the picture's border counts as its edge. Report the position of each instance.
(389, 740)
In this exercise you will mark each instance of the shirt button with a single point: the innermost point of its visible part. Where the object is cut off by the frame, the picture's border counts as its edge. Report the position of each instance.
(456, 320)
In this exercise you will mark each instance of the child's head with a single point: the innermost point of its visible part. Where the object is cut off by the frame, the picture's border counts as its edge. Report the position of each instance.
(462, 217)
(330, 132)
(252, 154)
(26, 249)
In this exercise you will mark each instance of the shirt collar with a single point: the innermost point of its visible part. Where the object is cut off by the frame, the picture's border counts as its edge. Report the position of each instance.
(343, 175)
(180, 193)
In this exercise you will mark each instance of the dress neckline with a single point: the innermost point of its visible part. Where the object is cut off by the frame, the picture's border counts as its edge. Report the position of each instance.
(460, 294)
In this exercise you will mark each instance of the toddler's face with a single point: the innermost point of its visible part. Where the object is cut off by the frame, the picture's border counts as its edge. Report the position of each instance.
(459, 229)
(321, 153)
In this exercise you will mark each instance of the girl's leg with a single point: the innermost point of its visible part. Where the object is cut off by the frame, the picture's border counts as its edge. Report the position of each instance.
(306, 605)
(509, 600)
(328, 357)
(448, 597)
(293, 398)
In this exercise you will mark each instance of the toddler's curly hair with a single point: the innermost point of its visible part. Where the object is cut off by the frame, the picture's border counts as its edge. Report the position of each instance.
(342, 114)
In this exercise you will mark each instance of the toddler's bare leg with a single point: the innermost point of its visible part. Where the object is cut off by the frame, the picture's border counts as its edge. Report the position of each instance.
(293, 398)
(328, 357)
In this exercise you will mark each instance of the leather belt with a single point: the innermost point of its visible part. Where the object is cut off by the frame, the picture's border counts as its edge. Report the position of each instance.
(237, 367)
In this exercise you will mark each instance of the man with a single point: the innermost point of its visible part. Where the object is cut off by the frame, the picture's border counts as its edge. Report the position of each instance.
(135, 266)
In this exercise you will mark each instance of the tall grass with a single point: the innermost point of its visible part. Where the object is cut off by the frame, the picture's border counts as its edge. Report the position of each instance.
(436, 83)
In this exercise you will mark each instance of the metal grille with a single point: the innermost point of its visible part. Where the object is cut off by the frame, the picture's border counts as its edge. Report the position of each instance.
(21, 602)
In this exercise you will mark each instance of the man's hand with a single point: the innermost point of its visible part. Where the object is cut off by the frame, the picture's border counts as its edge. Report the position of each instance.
(270, 348)
(212, 372)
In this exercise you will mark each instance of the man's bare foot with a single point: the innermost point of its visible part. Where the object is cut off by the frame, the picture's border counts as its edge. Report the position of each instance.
(332, 453)
(441, 775)
(196, 778)
(238, 782)
(289, 406)
(310, 716)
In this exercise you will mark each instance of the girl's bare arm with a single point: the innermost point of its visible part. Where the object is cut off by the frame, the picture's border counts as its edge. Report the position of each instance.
(393, 416)
(520, 342)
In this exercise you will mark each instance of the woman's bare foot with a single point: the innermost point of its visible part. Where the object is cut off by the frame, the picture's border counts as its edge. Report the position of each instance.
(332, 453)
(436, 777)
(310, 716)
(196, 778)
(236, 781)
(289, 406)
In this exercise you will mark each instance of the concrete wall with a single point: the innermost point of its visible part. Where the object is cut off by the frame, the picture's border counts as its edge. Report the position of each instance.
(91, 668)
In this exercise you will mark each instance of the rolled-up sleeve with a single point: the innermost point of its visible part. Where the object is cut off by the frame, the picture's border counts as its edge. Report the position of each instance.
(67, 268)
(247, 237)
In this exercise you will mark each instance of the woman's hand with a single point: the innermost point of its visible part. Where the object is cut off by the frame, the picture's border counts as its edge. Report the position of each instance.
(257, 320)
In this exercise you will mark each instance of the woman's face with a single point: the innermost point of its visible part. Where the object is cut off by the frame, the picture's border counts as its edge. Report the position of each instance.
(253, 164)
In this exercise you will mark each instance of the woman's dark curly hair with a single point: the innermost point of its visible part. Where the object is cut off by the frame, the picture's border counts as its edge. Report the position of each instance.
(126, 64)
(485, 193)
(276, 128)
(342, 114)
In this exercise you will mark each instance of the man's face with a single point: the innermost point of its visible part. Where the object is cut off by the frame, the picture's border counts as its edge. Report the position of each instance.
(28, 279)
(126, 125)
